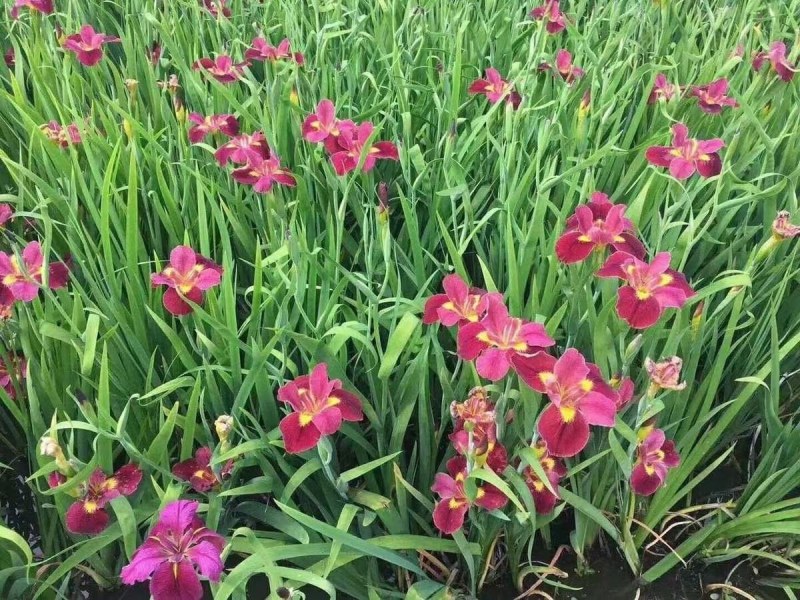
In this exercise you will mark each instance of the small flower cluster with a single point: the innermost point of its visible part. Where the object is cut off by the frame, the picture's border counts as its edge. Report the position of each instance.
(650, 288)
(345, 141)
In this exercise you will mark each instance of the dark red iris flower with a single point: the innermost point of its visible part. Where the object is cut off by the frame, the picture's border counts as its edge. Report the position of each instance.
(595, 226)
(88, 514)
(198, 472)
(687, 155)
(543, 499)
(495, 88)
(712, 98)
(655, 456)
(458, 305)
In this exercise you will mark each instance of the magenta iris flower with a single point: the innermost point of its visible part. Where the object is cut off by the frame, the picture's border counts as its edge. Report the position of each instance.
(179, 546)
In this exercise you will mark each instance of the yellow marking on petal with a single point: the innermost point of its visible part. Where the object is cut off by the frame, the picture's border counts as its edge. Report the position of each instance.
(538, 486)
(374, 150)
(480, 494)
(520, 346)
(175, 570)
(110, 483)
(619, 239)
(448, 306)
(459, 476)
(584, 238)
(201, 474)
(483, 337)
(643, 293)
(567, 414)
(659, 454)
(666, 279)
(546, 377)
(587, 385)
(645, 431)
(332, 401)
(704, 157)
(548, 464)
(90, 507)
(649, 470)
(454, 504)
(186, 288)
(675, 152)
(305, 418)
(630, 269)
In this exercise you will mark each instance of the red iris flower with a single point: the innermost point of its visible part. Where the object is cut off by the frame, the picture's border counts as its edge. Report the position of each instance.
(543, 499)
(6, 212)
(222, 68)
(197, 471)
(225, 124)
(243, 149)
(495, 88)
(6, 303)
(499, 342)
(453, 504)
(579, 397)
(88, 515)
(263, 173)
(43, 6)
(320, 405)
(662, 90)
(10, 58)
(595, 226)
(564, 67)
(687, 155)
(712, 98)
(650, 288)
(13, 372)
(322, 126)
(88, 45)
(63, 136)
(477, 416)
(188, 275)
(654, 457)
(260, 49)
(624, 389)
(352, 143)
(177, 548)
(217, 8)
(457, 306)
(23, 281)
(777, 59)
(550, 11)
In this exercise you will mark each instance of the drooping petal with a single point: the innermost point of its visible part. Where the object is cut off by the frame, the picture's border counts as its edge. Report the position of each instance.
(710, 167)
(89, 520)
(563, 438)
(430, 313)
(529, 368)
(328, 421)
(598, 409)
(176, 581)
(644, 483)
(175, 304)
(680, 168)
(298, 437)
(659, 156)
(490, 498)
(449, 519)
(143, 562)
(639, 314)
(206, 557)
(445, 486)
(349, 405)
(573, 247)
(469, 346)
(493, 364)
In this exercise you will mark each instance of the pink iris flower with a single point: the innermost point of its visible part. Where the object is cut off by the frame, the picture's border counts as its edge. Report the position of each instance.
(543, 499)
(63, 136)
(10, 58)
(243, 149)
(154, 54)
(687, 155)
(43, 6)
(595, 226)
(655, 456)
(88, 45)
(352, 143)
(88, 514)
(188, 275)
(564, 66)
(217, 8)
(198, 472)
(662, 90)
(322, 126)
(260, 49)
(777, 59)
(550, 11)
(6, 213)
(6, 303)
(222, 68)
(499, 342)
(712, 98)
(178, 547)
(495, 88)
(453, 504)
(319, 406)
(203, 126)
(579, 397)
(25, 280)
(649, 290)
(457, 306)
(263, 173)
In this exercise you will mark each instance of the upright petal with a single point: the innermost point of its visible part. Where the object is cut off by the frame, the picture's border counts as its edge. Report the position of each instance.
(177, 516)
(183, 259)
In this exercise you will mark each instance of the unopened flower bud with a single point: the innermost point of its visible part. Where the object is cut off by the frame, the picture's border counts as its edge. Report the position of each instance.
(293, 97)
(127, 128)
(633, 348)
(49, 447)
(224, 427)
(132, 85)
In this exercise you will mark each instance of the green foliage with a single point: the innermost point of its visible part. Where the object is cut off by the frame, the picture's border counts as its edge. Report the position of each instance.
(316, 273)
